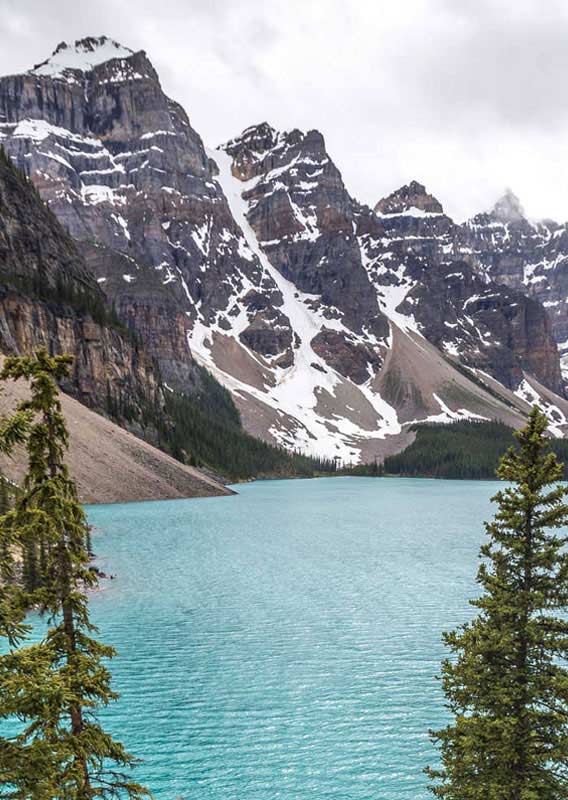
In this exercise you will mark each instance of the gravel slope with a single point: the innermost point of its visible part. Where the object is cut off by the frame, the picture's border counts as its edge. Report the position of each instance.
(111, 465)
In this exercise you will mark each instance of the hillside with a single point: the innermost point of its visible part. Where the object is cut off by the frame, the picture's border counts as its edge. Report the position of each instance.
(110, 464)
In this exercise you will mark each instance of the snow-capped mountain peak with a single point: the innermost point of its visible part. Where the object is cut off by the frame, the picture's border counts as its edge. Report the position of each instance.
(83, 55)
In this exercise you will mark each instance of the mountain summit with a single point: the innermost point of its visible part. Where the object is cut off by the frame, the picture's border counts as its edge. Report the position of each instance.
(508, 208)
(408, 199)
(82, 56)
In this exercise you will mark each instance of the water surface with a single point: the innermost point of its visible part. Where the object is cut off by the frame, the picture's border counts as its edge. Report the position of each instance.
(283, 643)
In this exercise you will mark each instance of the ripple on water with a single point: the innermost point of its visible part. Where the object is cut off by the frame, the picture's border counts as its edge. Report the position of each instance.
(283, 643)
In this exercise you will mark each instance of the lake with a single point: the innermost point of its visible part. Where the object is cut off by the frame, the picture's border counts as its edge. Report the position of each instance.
(284, 643)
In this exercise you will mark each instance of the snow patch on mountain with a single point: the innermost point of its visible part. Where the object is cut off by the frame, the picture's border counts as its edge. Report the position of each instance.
(392, 285)
(411, 211)
(447, 416)
(38, 129)
(300, 388)
(558, 424)
(84, 55)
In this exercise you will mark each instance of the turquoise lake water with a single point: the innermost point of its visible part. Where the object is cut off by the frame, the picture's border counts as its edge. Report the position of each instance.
(283, 643)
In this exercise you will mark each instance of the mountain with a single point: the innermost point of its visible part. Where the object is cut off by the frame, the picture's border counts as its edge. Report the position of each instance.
(121, 167)
(110, 464)
(49, 298)
(350, 271)
(529, 256)
(486, 325)
(334, 326)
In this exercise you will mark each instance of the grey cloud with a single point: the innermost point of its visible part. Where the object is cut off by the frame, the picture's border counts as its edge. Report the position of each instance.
(465, 95)
(499, 61)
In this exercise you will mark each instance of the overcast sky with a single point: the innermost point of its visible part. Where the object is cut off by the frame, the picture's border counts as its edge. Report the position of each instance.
(467, 96)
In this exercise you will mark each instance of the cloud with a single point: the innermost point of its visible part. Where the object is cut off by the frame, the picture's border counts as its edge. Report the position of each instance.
(467, 97)
(492, 61)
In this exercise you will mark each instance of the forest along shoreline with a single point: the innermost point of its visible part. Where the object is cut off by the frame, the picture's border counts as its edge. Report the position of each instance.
(112, 465)
(461, 450)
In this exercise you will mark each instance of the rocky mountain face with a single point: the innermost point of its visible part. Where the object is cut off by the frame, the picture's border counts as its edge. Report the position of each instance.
(120, 165)
(468, 315)
(48, 297)
(531, 257)
(318, 237)
(303, 221)
(404, 264)
(334, 326)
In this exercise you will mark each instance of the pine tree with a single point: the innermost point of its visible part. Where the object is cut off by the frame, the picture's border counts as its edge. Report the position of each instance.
(55, 687)
(13, 431)
(507, 683)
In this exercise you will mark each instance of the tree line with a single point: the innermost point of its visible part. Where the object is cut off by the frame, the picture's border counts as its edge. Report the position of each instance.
(464, 449)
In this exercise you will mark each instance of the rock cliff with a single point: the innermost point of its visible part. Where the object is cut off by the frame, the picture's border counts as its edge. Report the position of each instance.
(529, 256)
(49, 297)
(120, 165)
